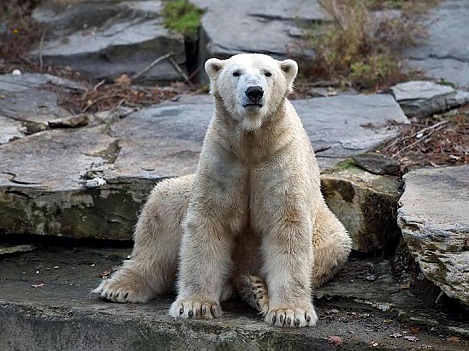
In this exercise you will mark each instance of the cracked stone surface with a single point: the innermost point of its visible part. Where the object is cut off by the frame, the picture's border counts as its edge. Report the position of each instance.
(107, 39)
(445, 55)
(433, 216)
(362, 305)
(91, 181)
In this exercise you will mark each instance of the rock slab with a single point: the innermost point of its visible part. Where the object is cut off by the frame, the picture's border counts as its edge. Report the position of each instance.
(273, 27)
(105, 39)
(445, 54)
(90, 181)
(424, 98)
(433, 216)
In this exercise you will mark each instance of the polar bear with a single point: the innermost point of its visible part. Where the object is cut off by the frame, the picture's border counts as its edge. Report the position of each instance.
(251, 221)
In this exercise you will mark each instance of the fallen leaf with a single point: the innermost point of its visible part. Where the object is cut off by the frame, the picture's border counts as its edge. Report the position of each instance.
(105, 274)
(332, 311)
(414, 330)
(335, 340)
(123, 80)
(411, 338)
(37, 285)
(454, 339)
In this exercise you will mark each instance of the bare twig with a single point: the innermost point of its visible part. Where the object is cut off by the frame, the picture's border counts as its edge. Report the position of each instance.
(181, 72)
(99, 84)
(432, 129)
(151, 65)
(41, 47)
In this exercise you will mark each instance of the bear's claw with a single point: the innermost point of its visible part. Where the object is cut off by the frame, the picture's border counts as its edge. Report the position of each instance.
(117, 290)
(292, 317)
(194, 309)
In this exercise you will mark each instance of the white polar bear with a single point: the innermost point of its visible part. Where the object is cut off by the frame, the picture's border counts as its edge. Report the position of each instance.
(251, 221)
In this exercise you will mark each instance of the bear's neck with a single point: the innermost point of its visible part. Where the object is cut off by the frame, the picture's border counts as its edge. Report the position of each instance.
(257, 146)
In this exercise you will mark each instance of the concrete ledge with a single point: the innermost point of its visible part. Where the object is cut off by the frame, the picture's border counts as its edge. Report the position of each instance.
(58, 315)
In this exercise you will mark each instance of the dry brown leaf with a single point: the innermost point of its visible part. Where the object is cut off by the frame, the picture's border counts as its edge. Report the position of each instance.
(124, 80)
(335, 340)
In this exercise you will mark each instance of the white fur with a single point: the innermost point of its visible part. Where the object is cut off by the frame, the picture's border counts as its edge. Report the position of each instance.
(254, 208)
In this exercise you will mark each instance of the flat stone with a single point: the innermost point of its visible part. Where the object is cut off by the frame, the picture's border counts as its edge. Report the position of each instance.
(97, 177)
(424, 98)
(417, 90)
(271, 28)
(69, 122)
(44, 305)
(10, 130)
(365, 203)
(25, 98)
(377, 163)
(109, 38)
(445, 54)
(435, 225)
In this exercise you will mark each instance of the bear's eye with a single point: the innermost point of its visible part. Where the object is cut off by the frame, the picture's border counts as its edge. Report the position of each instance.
(268, 74)
(236, 73)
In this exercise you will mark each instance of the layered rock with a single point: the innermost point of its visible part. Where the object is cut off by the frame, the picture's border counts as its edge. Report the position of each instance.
(108, 38)
(423, 98)
(433, 216)
(365, 203)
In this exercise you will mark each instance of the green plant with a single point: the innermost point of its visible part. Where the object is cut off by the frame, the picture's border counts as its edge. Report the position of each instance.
(182, 17)
(361, 46)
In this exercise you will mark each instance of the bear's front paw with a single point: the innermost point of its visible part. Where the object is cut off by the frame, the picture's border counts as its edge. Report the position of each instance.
(119, 290)
(291, 317)
(195, 309)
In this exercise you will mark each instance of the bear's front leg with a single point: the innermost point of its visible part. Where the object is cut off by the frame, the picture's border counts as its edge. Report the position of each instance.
(283, 211)
(204, 267)
(288, 261)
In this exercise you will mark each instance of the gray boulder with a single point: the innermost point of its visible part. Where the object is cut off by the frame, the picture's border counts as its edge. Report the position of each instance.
(273, 27)
(433, 216)
(108, 38)
(365, 203)
(445, 54)
(423, 98)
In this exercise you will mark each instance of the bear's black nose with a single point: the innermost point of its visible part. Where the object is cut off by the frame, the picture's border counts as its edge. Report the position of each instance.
(254, 93)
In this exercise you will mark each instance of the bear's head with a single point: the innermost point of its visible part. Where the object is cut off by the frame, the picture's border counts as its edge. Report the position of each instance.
(251, 86)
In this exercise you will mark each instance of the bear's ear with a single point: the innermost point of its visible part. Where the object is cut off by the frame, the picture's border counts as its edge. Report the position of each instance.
(213, 67)
(290, 70)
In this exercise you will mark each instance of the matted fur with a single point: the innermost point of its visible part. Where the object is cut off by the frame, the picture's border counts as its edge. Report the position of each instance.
(252, 219)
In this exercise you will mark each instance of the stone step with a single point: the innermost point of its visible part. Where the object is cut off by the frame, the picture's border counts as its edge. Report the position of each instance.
(44, 305)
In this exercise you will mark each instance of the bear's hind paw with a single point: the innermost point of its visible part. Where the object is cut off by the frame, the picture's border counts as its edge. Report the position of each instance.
(254, 291)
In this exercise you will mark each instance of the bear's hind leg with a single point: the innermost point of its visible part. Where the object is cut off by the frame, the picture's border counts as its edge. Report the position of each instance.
(332, 246)
(152, 266)
(253, 291)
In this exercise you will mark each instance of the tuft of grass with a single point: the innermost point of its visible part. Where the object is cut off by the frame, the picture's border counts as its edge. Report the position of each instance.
(182, 17)
(18, 32)
(361, 46)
